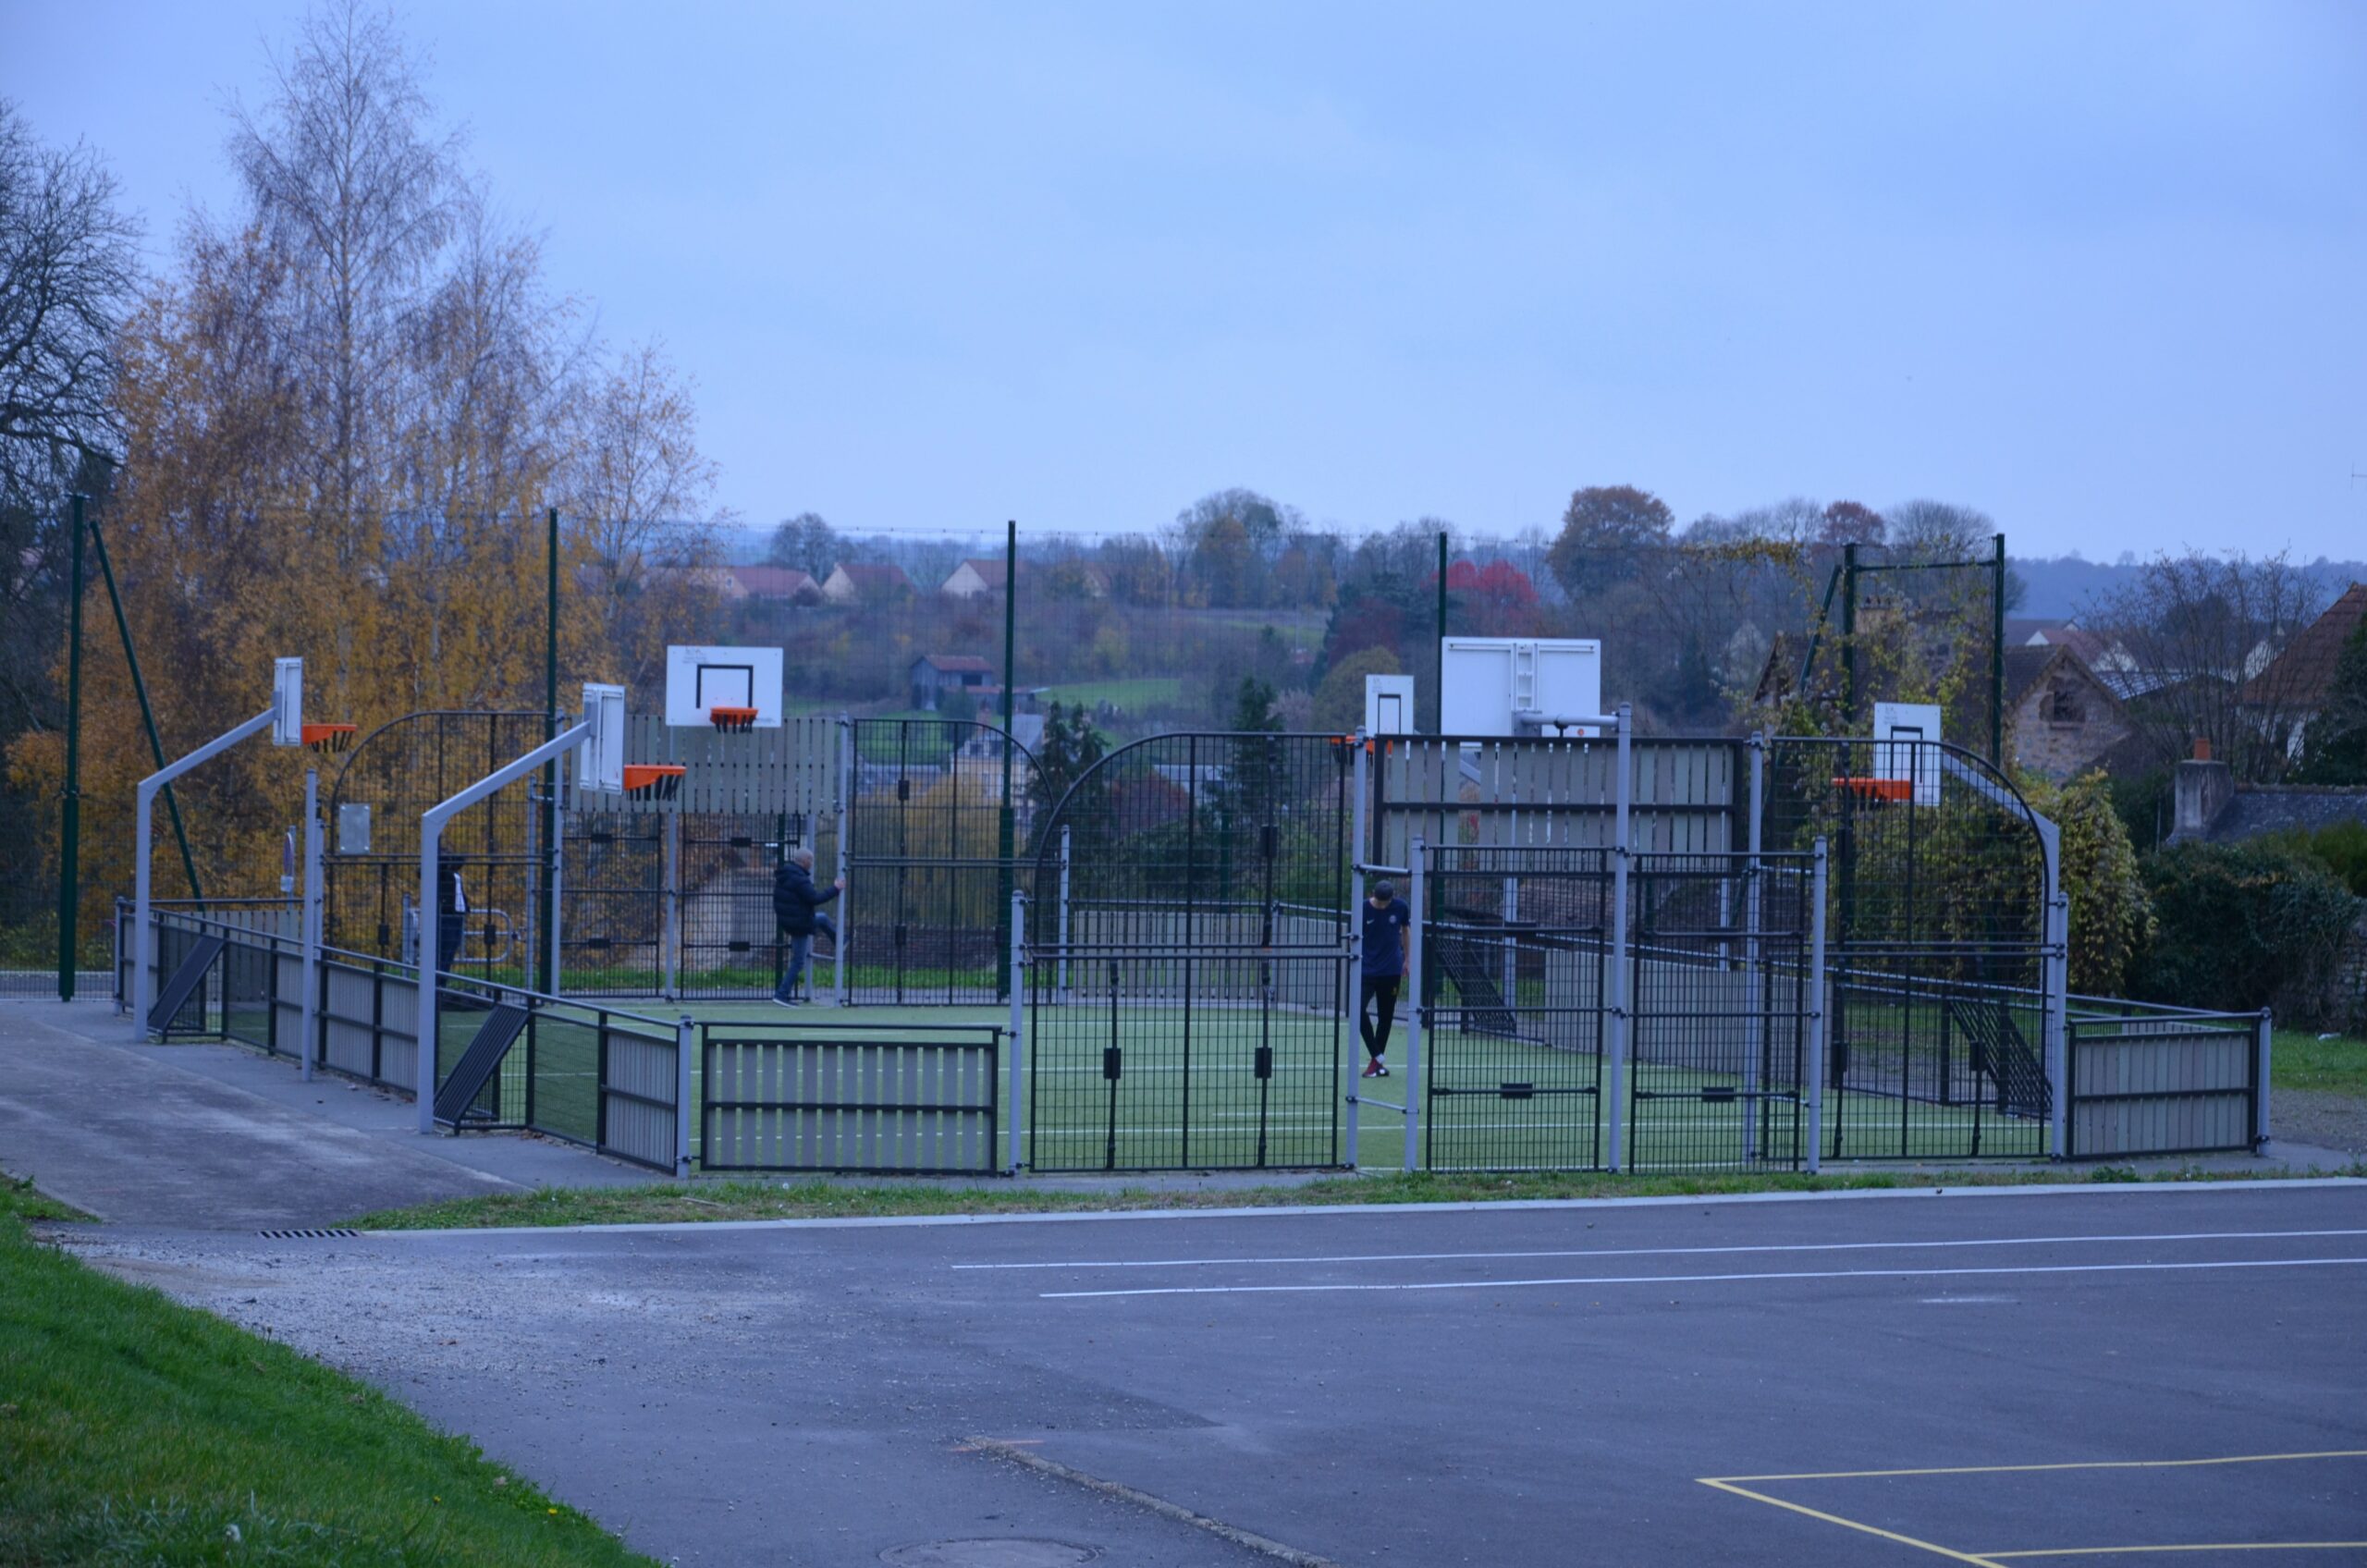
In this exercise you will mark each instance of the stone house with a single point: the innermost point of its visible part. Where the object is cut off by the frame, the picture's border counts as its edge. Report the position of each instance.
(2062, 717)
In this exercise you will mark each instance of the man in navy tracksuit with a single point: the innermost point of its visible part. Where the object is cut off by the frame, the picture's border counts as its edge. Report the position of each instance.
(797, 905)
(1388, 932)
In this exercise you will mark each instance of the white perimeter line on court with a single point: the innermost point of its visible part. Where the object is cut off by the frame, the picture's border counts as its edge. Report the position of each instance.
(1700, 1278)
(1665, 1251)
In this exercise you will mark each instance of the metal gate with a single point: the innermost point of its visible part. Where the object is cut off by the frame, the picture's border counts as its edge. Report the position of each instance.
(1722, 960)
(936, 820)
(726, 937)
(1187, 981)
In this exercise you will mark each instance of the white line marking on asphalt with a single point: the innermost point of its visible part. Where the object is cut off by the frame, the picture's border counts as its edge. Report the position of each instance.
(1703, 1279)
(1668, 1251)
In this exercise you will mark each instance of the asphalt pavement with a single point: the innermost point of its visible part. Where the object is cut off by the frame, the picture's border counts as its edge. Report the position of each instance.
(1999, 1376)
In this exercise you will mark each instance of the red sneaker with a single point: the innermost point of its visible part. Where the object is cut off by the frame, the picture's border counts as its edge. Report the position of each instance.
(1376, 1067)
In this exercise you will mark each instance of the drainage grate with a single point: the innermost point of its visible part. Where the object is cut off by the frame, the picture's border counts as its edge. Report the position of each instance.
(333, 1234)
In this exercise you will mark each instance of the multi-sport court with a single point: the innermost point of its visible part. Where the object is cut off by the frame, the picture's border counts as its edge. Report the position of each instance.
(1626, 953)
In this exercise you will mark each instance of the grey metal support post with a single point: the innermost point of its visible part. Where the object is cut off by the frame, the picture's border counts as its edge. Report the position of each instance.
(1415, 1012)
(669, 975)
(557, 912)
(314, 894)
(1754, 1024)
(1358, 846)
(1618, 986)
(2263, 1043)
(686, 1034)
(1018, 1020)
(426, 1068)
(844, 807)
(142, 982)
(1820, 999)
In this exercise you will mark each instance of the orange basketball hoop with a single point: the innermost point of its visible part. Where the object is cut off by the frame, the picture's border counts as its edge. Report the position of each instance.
(654, 782)
(732, 720)
(327, 737)
(1879, 791)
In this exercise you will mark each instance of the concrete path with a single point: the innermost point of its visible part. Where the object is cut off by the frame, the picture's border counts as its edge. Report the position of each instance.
(217, 1137)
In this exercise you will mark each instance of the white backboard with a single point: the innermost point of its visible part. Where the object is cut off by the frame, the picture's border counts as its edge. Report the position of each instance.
(600, 760)
(700, 679)
(1900, 722)
(287, 702)
(1490, 681)
(1389, 705)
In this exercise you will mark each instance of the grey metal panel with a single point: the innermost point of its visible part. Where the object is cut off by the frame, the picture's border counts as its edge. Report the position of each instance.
(2195, 1087)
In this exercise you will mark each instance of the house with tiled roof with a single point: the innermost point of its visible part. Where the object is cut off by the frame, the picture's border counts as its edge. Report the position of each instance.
(2062, 717)
(2296, 682)
(975, 577)
(771, 584)
(933, 675)
(865, 582)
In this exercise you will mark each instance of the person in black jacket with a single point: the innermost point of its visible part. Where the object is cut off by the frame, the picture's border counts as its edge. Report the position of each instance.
(797, 905)
(451, 913)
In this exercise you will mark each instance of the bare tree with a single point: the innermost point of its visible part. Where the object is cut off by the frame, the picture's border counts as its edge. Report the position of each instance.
(350, 183)
(2192, 646)
(69, 266)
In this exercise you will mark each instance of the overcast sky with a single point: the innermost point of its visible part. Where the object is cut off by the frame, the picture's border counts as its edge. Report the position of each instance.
(2094, 268)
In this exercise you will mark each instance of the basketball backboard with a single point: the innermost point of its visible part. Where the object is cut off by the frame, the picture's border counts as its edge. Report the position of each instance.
(1389, 705)
(1491, 682)
(600, 761)
(287, 702)
(1897, 725)
(701, 680)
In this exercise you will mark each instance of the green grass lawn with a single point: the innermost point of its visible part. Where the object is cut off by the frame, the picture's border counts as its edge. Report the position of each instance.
(2299, 1061)
(136, 1432)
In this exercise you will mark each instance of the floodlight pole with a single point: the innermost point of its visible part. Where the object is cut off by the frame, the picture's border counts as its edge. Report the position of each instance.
(1005, 836)
(1998, 657)
(142, 984)
(431, 912)
(69, 826)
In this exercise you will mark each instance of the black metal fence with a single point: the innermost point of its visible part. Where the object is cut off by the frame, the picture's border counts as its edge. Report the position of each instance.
(2149, 1080)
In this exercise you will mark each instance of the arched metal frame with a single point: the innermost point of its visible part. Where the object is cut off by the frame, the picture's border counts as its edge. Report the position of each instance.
(1947, 937)
(1188, 966)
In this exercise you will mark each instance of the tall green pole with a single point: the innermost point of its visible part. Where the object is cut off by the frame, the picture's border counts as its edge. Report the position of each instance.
(550, 730)
(1998, 657)
(1438, 651)
(69, 826)
(1006, 825)
(147, 713)
(1850, 638)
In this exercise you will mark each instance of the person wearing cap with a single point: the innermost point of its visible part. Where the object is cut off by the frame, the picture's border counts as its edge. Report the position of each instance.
(1388, 931)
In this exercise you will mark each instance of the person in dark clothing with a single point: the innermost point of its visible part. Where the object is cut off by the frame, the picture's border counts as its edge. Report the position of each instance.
(797, 905)
(1388, 933)
(451, 914)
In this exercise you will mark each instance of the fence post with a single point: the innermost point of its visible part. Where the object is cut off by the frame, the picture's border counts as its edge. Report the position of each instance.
(1618, 998)
(312, 918)
(1754, 1025)
(685, 1043)
(844, 946)
(1416, 852)
(1358, 849)
(557, 900)
(669, 938)
(1819, 997)
(1062, 987)
(1018, 1017)
(2262, 1045)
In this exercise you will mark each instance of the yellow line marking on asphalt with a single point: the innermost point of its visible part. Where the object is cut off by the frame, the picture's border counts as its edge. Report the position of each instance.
(2088, 1464)
(2221, 1546)
(1728, 1486)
